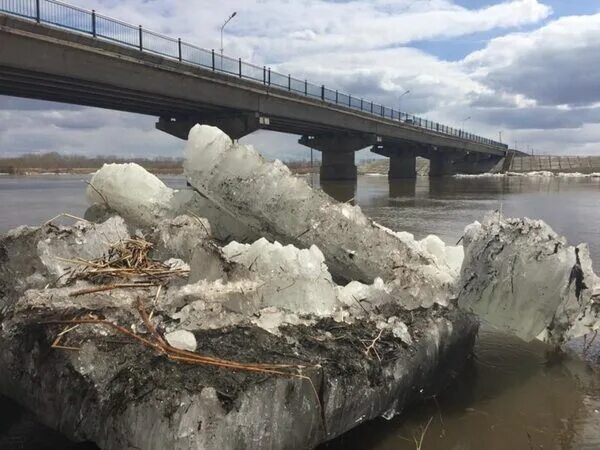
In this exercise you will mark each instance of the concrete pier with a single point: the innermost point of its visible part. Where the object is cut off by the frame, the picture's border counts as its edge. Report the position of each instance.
(440, 165)
(338, 166)
(403, 166)
(236, 126)
(337, 160)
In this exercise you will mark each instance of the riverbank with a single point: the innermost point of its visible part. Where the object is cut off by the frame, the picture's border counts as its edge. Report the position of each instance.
(58, 164)
(37, 171)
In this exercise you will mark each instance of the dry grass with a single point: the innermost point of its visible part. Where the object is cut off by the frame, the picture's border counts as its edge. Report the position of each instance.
(126, 265)
(155, 341)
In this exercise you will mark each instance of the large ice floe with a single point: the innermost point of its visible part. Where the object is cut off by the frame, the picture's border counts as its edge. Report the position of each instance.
(523, 278)
(138, 336)
(251, 311)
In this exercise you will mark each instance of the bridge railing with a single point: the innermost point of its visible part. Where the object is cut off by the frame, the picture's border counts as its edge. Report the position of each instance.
(73, 18)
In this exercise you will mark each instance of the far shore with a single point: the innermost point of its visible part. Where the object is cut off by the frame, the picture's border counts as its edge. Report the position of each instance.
(36, 171)
(58, 164)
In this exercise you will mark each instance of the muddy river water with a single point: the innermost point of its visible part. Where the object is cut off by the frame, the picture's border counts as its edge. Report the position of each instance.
(512, 395)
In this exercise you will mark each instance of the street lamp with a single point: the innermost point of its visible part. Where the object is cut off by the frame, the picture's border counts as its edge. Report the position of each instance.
(222, 28)
(464, 120)
(400, 101)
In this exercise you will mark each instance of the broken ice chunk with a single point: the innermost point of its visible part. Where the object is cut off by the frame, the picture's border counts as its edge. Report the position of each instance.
(132, 191)
(63, 249)
(291, 278)
(143, 199)
(524, 279)
(182, 339)
(180, 236)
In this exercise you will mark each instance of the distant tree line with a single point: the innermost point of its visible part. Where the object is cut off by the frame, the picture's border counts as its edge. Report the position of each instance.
(59, 163)
(56, 162)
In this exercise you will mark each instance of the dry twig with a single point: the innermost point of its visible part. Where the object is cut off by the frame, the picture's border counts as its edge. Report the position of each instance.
(126, 265)
(157, 343)
(371, 346)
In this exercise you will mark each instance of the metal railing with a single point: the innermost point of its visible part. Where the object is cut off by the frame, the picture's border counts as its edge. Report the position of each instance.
(70, 17)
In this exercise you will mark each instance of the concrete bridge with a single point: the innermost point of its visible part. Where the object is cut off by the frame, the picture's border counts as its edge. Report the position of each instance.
(54, 51)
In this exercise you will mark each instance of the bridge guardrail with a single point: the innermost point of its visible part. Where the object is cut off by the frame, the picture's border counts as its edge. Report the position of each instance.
(63, 15)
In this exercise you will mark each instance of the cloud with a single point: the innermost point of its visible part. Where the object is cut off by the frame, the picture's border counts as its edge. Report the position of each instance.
(553, 65)
(90, 131)
(269, 31)
(540, 117)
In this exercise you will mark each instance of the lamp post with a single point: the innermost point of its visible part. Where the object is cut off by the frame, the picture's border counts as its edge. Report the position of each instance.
(310, 138)
(400, 102)
(222, 28)
(464, 120)
(500, 136)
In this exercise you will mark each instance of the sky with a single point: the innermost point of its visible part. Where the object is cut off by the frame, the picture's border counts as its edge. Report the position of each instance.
(525, 70)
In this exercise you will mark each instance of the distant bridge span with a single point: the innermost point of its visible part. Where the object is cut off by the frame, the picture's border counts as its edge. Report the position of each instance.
(53, 51)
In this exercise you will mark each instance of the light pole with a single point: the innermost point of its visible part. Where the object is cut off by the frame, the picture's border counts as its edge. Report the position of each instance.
(310, 138)
(462, 126)
(222, 28)
(400, 102)
(500, 136)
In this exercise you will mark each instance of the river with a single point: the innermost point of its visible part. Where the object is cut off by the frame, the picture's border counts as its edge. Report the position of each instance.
(512, 395)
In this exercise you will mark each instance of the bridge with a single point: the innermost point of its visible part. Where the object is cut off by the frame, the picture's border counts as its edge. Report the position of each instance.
(54, 51)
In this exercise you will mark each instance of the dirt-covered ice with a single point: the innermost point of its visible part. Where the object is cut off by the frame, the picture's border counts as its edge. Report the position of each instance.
(523, 278)
(340, 355)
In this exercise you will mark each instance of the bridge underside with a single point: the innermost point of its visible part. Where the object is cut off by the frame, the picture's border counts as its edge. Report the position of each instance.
(45, 63)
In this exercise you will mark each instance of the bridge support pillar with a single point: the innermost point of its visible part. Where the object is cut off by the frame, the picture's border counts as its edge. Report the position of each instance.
(338, 166)
(403, 166)
(235, 126)
(440, 165)
(337, 159)
(403, 159)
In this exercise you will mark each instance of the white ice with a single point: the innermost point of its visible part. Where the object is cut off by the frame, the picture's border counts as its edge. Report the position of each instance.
(182, 340)
(294, 279)
(132, 191)
(269, 200)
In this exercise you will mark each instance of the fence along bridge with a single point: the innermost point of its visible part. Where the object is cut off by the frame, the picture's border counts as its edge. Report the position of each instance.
(54, 51)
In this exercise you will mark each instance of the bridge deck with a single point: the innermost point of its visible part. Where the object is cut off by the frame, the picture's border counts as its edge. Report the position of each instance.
(71, 67)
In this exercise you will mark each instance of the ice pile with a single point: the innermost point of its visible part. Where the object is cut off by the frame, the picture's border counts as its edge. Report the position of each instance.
(345, 354)
(266, 198)
(303, 254)
(523, 278)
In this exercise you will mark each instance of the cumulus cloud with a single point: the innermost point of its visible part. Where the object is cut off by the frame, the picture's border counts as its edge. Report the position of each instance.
(272, 31)
(553, 65)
